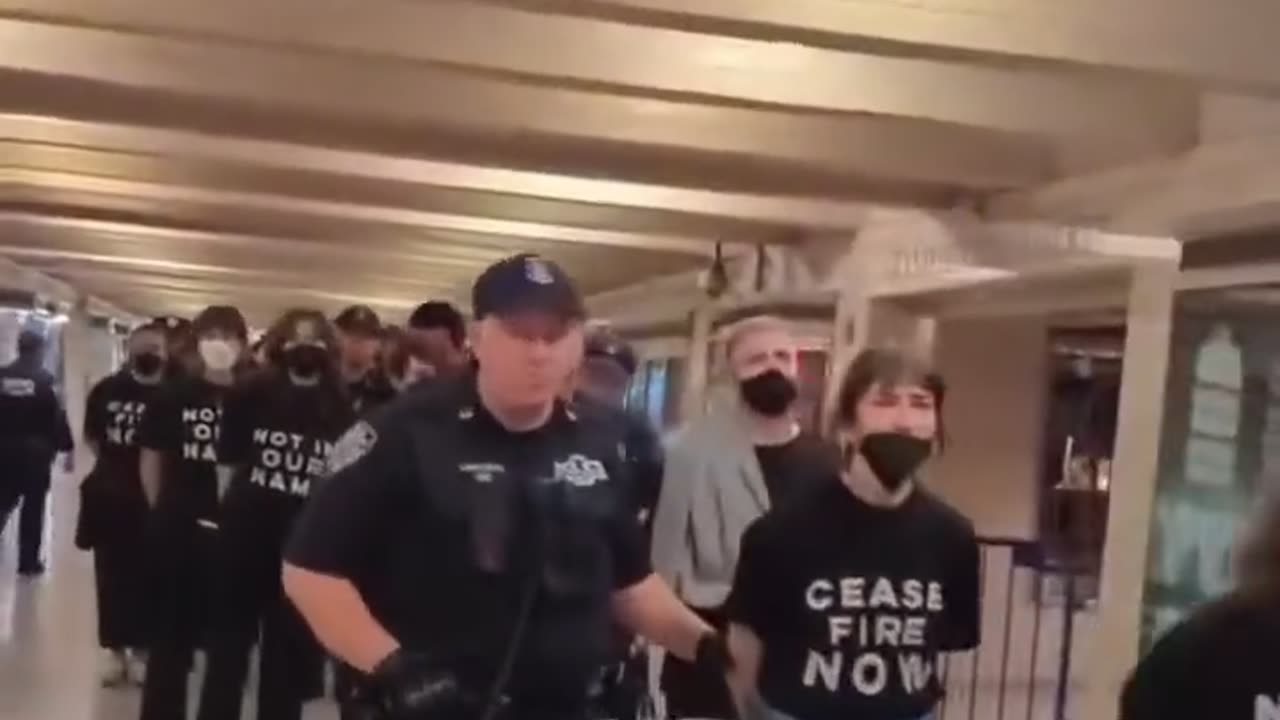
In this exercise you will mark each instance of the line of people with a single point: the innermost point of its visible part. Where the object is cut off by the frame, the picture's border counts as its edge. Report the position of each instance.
(205, 451)
(493, 543)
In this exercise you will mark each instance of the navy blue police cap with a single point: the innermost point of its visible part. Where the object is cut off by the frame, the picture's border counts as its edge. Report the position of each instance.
(604, 344)
(526, 282)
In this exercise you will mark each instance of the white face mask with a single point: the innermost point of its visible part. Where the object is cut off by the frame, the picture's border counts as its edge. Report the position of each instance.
(218, 355)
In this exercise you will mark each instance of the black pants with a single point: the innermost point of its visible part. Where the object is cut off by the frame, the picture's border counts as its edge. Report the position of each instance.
(251, 608)
(690, 693)
(120, 575)
(30, 487)
(181, 584)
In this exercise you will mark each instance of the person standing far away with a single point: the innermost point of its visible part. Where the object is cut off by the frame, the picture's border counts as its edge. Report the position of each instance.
(33, 430)
(277, 431)
(1220, 662)
(179, 460)
(474, 543)
(113, 507)
(844, 599)
(437, 330)
(360, 332)
(722, 473)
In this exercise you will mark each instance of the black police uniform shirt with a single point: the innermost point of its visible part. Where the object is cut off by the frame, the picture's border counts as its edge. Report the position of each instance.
(639, 449)
(278, 436)
(183, 425)
(796, 467)
(113, 417)
(853, 603)
(33, 426)
(1219, 664)
(444, 520)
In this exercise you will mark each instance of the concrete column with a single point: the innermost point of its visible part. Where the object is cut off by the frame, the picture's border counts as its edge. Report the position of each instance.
(695, 386)
(77, 359)
(1124, 560)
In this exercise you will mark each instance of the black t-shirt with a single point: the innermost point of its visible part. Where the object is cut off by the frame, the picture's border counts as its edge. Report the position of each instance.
(1221, 664)
(183, 424)
(853, 603)
(797, 466)
(113, 413)
(278, 435)
(370, 392)
(443, 519)
(640, 450)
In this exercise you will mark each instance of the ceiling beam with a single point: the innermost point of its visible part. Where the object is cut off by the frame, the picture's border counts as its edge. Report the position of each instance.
(1214, 189)
(480, 109)
(515, 232)
(571, 50)
(178, 144)
(1224, 43)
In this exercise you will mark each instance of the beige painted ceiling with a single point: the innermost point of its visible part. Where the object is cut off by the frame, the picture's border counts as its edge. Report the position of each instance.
(164, 154)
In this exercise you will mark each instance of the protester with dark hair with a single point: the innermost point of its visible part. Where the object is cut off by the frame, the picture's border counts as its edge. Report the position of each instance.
(33, 430)
(844, 599)
(1220, 662)
(113, 509)
(180, 339)
(179, 459)
(277, 431)
(360, 336)
(437, 328)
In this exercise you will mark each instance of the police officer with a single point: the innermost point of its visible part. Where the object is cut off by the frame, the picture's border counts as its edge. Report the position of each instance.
(609, 363)
(33, 430)
(360, 333)
(474, 541)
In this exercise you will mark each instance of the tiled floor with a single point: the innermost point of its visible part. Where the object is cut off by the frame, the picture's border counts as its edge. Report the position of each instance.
(48, 649)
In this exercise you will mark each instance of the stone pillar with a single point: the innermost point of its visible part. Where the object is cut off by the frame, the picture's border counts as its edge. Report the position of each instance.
(696, 369)
(77, 359)
(1135, 467)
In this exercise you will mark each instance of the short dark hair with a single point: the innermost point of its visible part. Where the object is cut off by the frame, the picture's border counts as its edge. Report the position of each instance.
(226, 318)
(30, 342)
(282, 330)
(435, 314)
(891, 367)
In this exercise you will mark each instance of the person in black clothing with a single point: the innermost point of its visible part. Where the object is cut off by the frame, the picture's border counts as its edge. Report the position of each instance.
(746, 457)
(608, 364)
(179, 459)
(475, 541)
(359, 332)
(33, 430)
(113, 508)
(843, 600)
(437, 329)
(1220, 662)
(277, 431)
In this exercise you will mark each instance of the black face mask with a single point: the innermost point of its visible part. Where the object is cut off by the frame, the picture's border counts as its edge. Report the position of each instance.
(306, 361)
(147, 364)
(894, 457)
(770, 393)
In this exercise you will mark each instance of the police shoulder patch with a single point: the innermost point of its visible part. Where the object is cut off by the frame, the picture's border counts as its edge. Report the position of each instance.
(355, 444)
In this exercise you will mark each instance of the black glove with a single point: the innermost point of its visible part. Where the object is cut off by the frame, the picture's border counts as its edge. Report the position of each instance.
(409, 686)
(713, 656)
